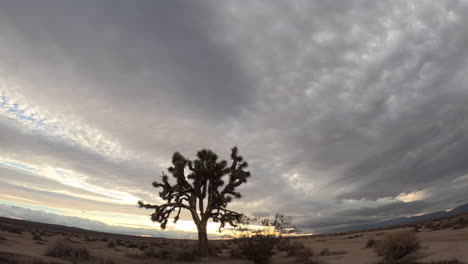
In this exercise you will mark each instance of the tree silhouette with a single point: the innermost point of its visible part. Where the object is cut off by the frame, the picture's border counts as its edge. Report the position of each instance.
(203, 191)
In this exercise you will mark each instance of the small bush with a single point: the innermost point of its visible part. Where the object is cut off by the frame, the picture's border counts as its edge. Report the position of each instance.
(111, 243)
(371, 243)
(132, 245)
(446, 224)
(257, 248)
(397, 245)
(36, 236)
(304, 255)
(294, 248)
(159, 253)
(223, 245)
(104, 260)
(236, 252)
(283, 245)
(453, 261)
(184, 255)
(214, 248)
(142, 246)
(325, 252)
(64, 249)
(11, 229)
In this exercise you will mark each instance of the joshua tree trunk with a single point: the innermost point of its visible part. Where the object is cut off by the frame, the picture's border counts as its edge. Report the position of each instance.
(202, 239)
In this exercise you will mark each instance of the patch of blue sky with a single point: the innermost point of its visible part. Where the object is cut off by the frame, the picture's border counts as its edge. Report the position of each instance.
(14, 110)
(19, 165)
(82, 136)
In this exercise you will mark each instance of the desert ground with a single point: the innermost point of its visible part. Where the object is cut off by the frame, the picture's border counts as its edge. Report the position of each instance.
(440, 241)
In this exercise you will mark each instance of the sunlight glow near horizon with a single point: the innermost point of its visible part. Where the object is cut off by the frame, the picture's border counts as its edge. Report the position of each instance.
(121, 220)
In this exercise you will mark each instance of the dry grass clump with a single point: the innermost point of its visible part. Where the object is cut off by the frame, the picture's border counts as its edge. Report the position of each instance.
(452, 261)
(11, 229)
(214, 248)
(169, 253)
(304, 255)
(12, 258)
(111, 243)
(257, 248)
(327, 252)
(294, 248)
(104, 260)
(371, 243)
(283, 244)
(395, 246)
(236, 252)
(36, 236)
(183, 254)
(62, 248)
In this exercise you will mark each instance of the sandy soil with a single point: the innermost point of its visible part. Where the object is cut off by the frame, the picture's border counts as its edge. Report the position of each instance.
(437, 245)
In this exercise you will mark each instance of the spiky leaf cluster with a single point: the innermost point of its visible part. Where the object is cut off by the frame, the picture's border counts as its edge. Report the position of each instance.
(204, 186)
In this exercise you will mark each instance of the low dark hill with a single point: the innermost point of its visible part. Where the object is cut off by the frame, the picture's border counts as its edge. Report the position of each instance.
(30, 225)
(462, 209)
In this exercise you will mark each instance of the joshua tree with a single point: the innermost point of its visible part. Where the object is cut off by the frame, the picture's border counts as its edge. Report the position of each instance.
(203, 191)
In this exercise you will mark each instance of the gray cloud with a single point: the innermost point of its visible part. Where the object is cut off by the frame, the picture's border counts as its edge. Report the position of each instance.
(339, 107)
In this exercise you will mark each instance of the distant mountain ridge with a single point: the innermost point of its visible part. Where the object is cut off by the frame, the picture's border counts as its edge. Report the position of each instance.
(408, 220)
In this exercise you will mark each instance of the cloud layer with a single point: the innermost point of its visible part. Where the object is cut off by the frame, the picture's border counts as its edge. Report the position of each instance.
(352, 110)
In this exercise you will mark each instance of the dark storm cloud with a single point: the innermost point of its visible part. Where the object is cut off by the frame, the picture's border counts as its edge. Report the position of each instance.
(347, 111)
(150, 52)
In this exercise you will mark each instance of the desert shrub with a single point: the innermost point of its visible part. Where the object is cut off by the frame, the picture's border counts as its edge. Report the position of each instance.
(174, 254)
(36, 236)
(257, 248)
(371, 243)
(151, 252)
(223, 245)
(453, 261)
(2, 238)
(131, 244)
(90, 239)
(142, 246)
(103, 260)
(12, 258)
(62, 248)
(460, 222)
(397, 245)
(236, 252)
(214, 248)
(111, 243)
(429, 225)
(12, 229)
(325, 252)
(183, 254)
(294, 248)
(159, 253)
(304, 255)
(312, 261)
(446, 224)
(283, 244)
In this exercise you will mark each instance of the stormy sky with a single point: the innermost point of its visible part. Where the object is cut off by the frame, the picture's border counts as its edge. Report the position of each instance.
(348, 112)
